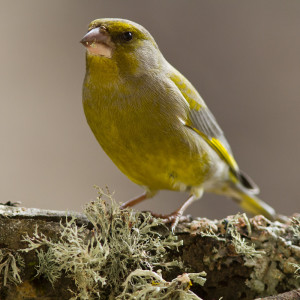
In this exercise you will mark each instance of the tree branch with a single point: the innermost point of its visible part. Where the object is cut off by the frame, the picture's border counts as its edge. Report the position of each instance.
(243, 259)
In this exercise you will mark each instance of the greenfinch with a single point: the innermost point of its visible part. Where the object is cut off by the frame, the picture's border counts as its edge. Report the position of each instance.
(153, 124)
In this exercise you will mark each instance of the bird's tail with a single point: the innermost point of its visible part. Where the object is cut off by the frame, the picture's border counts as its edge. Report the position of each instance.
(244, 193)
(252, 204)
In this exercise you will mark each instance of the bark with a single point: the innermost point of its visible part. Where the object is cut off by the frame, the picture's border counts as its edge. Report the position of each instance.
(221, 248)
(292, 295)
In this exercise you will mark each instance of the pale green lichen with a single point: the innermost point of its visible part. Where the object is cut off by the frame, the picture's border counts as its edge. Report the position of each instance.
(270, 249)
(241, 246)
(120, 243)
(71, 254)
(296, 230)
(296, 227)
(232, 235)
(297, 269)
(147, 284)
(11, 265)
(281, 259)
(210, 232)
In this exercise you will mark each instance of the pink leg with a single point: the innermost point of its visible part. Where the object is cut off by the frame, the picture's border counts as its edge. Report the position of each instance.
(135, 200)
(174, 217)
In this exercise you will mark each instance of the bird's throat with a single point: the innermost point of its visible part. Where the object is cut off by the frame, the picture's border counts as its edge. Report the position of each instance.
(101, 70)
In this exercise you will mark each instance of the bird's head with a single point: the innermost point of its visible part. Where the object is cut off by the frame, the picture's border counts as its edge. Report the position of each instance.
(126, 44)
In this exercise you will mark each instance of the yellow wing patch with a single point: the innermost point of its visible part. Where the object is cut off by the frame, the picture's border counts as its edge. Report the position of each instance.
(217, 145)
(187, 90)
(208, 129)
(220, 150)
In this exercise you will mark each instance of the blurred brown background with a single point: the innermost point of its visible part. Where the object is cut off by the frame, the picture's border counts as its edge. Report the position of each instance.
(243, 57)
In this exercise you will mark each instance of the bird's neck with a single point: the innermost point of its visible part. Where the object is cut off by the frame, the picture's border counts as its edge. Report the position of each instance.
(103, 83)
(101, 69)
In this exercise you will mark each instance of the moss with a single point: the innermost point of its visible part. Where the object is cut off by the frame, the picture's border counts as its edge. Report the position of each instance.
(121, 244)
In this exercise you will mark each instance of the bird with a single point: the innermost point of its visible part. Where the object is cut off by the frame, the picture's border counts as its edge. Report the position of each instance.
(154, 125)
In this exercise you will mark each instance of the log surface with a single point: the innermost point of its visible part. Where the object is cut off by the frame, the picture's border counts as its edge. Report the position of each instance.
(207, 246)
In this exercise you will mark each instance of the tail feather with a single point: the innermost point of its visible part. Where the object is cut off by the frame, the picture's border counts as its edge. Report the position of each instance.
(247, 182)
(244, 192)
(255, 206)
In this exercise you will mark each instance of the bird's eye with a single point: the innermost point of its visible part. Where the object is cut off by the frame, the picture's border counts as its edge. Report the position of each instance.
(127, 36)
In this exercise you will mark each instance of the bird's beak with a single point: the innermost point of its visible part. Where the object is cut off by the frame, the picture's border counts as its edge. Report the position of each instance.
(97, 42)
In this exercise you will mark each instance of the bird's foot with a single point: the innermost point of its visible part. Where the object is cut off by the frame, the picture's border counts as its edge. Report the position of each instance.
(172, 219)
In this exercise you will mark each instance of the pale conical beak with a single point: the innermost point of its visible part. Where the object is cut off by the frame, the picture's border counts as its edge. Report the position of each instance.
(97, 42)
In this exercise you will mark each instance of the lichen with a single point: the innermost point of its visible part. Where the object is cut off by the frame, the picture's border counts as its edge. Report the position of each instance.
(271, 250)
(229, 234)
(281, 259)
(297, 270)
(11, 265)
(211, 232)
(99, 261)
(147, 284)
(240, 244)
(295, 227)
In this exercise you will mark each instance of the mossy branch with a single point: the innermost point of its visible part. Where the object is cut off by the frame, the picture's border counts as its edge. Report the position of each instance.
(107, 253)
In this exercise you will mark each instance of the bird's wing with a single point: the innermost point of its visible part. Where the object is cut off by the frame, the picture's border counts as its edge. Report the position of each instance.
(202, 121)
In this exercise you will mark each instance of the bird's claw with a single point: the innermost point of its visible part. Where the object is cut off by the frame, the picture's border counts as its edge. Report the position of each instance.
(172, 219)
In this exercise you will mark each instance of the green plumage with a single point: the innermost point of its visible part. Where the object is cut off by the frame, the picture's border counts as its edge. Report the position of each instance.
(151, 121)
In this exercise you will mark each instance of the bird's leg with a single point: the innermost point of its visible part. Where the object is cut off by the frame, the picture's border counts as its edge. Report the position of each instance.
(174, 217)
(135, 200)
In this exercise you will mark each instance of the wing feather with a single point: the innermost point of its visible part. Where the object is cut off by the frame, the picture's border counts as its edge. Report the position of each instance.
(201, 120)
